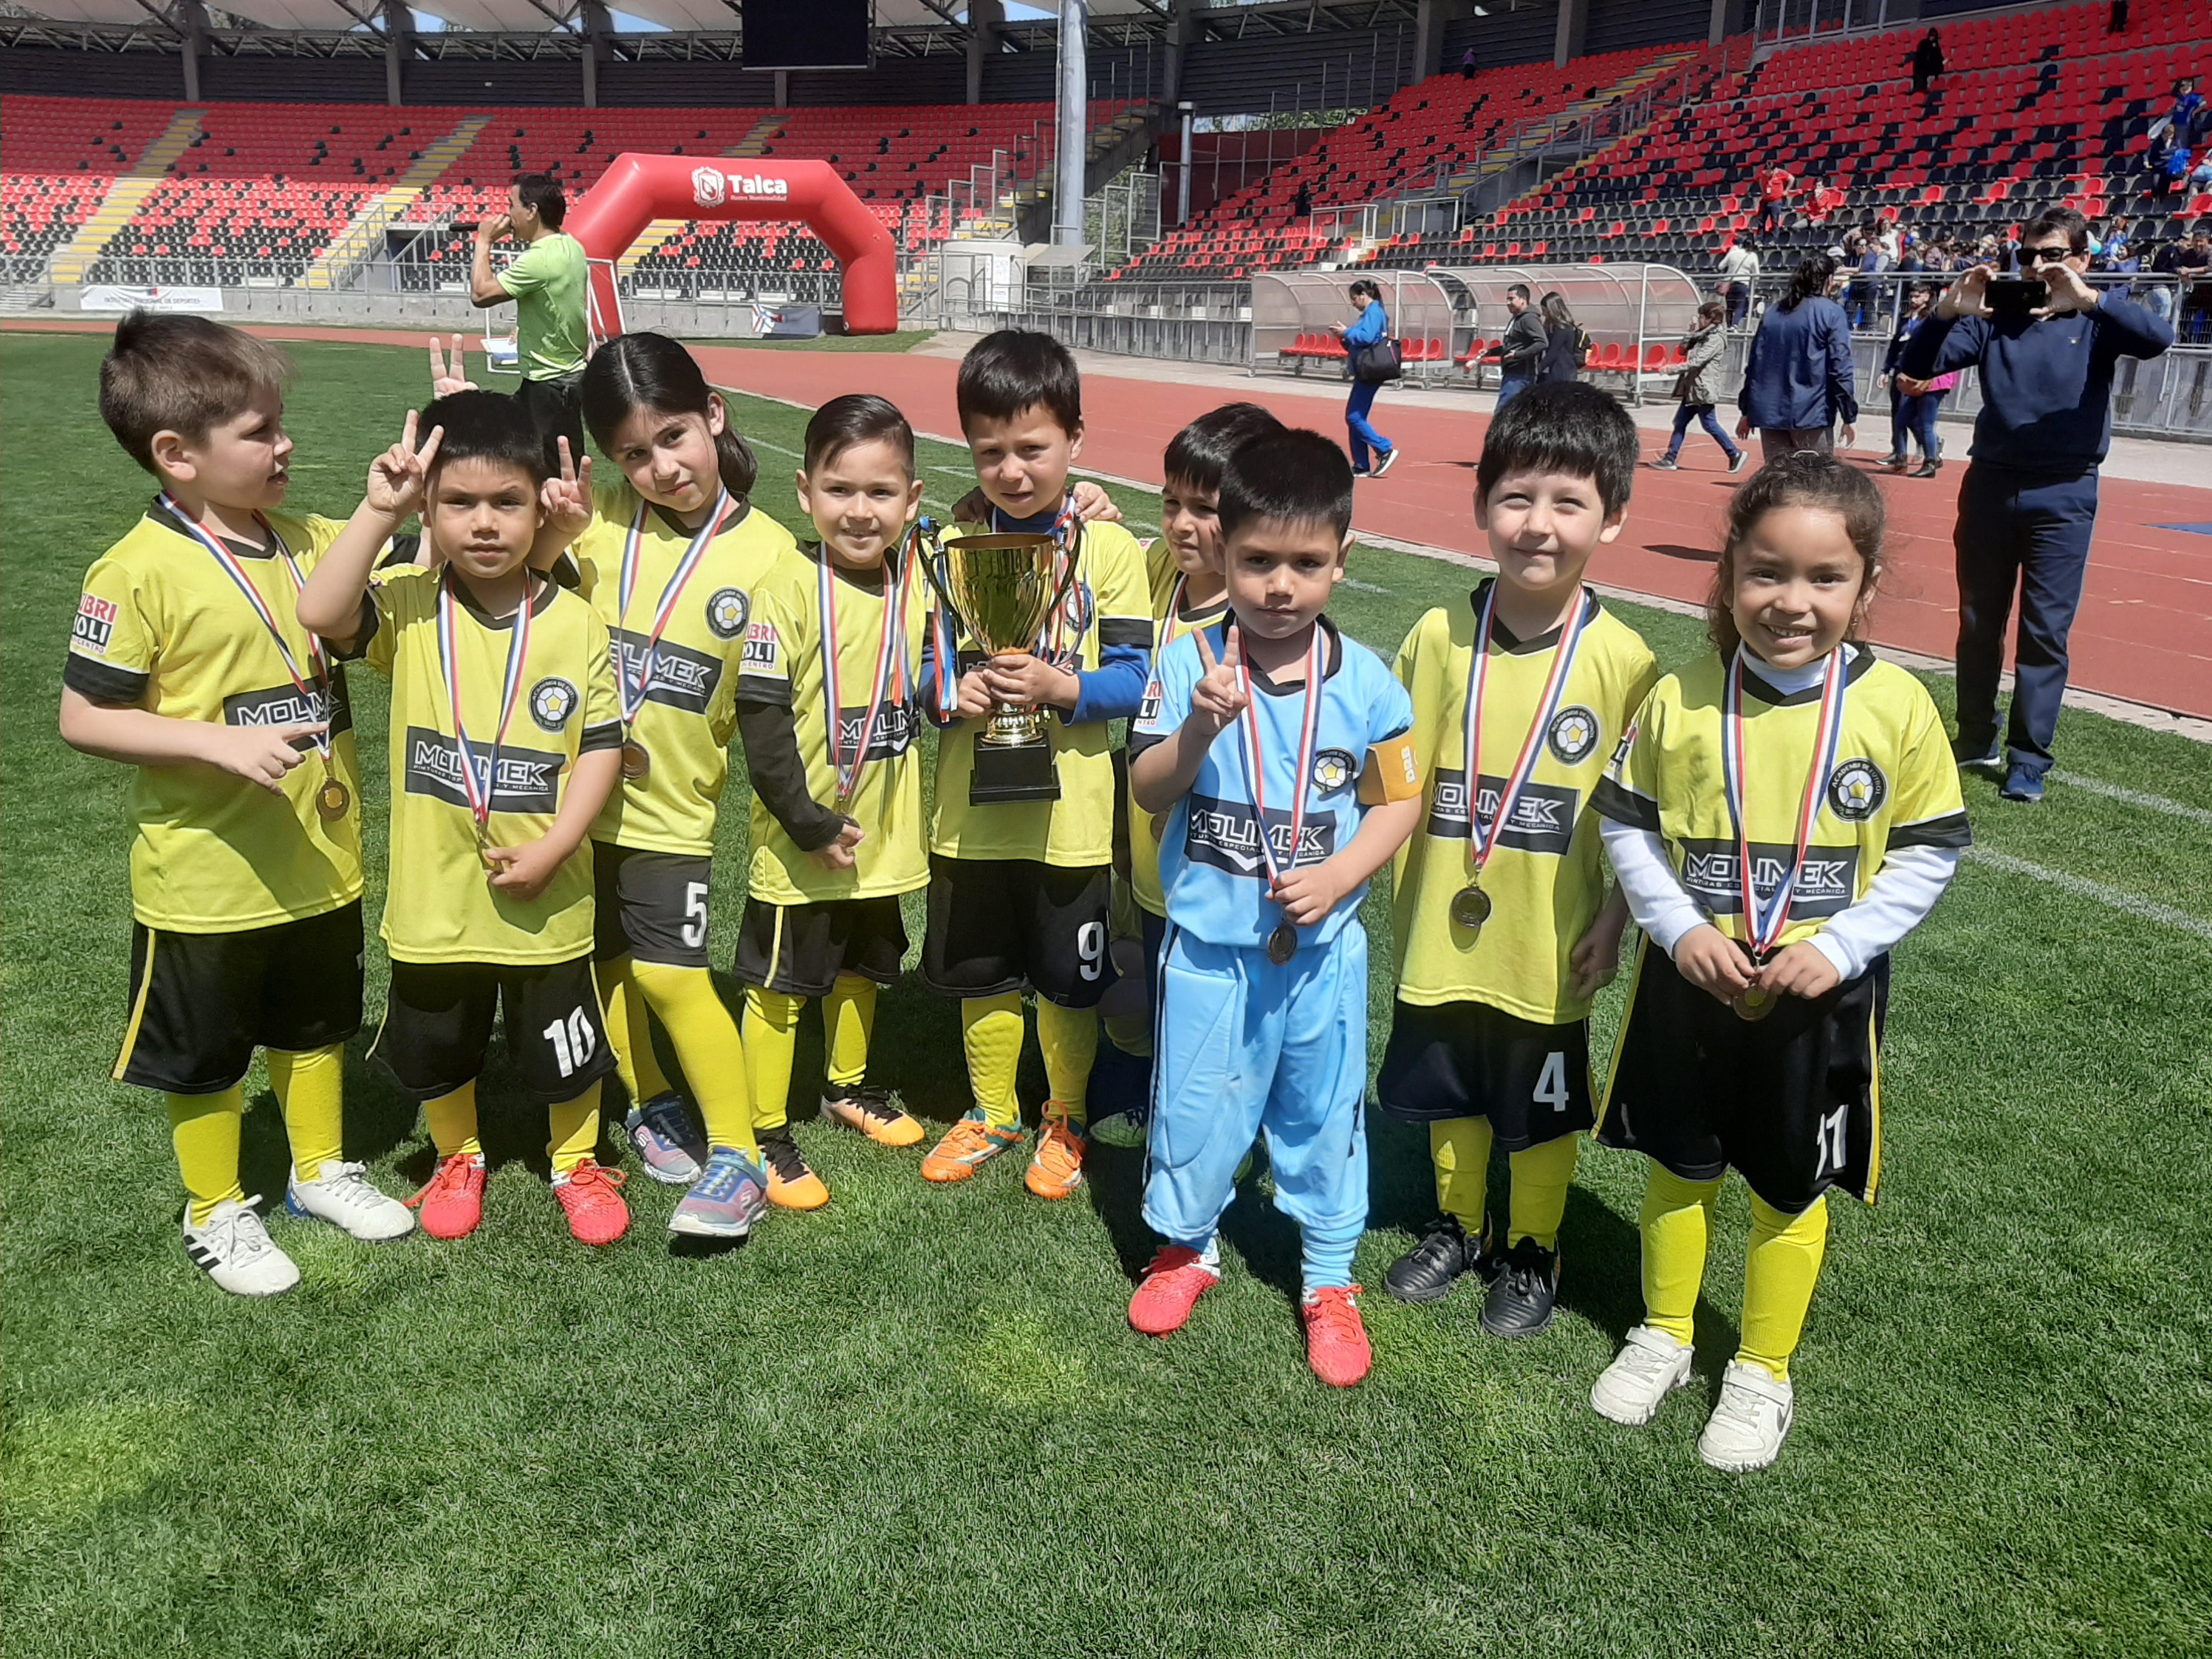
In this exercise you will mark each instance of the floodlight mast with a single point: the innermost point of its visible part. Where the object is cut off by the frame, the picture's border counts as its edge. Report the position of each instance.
(1074, 137)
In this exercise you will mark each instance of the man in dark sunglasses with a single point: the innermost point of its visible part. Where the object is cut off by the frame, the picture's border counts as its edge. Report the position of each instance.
(2029, 502)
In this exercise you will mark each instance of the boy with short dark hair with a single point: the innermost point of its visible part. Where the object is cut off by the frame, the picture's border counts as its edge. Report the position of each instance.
(1503, 927)
(1019, 889)
(506, 739)
(188, 661)
(1279, 752)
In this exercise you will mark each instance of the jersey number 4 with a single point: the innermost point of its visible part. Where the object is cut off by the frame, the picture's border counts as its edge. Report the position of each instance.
(1551, 1088)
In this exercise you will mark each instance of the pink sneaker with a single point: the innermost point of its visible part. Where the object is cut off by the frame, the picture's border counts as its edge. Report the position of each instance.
(1171, 1286)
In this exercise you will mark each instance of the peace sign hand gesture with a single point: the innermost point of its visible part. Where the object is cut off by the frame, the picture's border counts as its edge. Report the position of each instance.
(449, 375)
(398, 478)
(566, 500)
(1217, 698)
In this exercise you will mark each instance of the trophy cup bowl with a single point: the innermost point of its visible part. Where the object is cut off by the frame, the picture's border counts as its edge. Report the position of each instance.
(1003, 589)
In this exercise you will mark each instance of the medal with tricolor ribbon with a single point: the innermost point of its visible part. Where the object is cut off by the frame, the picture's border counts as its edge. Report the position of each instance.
(1169, 635)
(637, 759)
(1283, 943)
(890, 661)
(1471, 906)
(1764, 925)
(480, 790)
(333, 798)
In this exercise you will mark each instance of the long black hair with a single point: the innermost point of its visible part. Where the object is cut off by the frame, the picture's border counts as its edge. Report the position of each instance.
(650, 371)
(1805, 478)
(1809, 279)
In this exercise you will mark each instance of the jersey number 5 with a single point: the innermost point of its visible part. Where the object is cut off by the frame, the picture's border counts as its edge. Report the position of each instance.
(694, 915)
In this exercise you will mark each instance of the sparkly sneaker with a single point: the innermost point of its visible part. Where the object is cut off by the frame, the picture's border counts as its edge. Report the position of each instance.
(234, 1249)
(1751, 1420)
(590, 1197)
(1174, 1281)
(791, 1184)
(667, 1145)
(1650, 1366)
(342, 1195)
(1056, 1170)
(726, 1202)
(1336, 1339)
(968, 1145)
(452, 1203)
(871, 1112)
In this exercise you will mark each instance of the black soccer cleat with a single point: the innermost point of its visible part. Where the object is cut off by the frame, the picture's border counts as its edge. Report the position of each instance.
(1521, 1302)
(1426, 1273)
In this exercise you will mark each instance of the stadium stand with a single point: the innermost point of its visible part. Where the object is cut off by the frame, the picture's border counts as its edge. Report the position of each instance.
(63, 155)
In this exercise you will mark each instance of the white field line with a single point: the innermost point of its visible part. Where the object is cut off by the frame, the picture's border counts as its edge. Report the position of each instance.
(2082, 887)
(2172, 809)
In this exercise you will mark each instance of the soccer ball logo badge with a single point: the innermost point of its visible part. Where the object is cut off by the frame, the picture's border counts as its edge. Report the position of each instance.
(551, 702)
(1333, 769)
(1856, 790)
(727, 612)
(1573, 735)
(708, 187)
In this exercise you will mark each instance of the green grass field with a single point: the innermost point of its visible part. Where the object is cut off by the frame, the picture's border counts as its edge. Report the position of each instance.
(916, 1422)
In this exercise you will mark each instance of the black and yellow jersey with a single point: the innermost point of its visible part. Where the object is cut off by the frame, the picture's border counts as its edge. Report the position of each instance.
(689, 708)
(161, 626)
(1170, 622)
(784, 668)
(440, 906)
(1105, 625)
(1546, 876)
(1893, 784)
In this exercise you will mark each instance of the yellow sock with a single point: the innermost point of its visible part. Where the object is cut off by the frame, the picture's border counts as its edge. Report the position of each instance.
(1459, 1148)
(452, 1120)
(1779, 1272)
(849, 1025)
(1540, 1178)
(707, 1045)
(991, 1037)
(771, 1045)
(1676, 1215)
(629, 1028)
(1069, 1037)
(311, 1089)
(1130, 1033)
(205, 1130)
(574, 1126)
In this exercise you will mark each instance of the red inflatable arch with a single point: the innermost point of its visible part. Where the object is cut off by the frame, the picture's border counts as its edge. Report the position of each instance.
(638, 189)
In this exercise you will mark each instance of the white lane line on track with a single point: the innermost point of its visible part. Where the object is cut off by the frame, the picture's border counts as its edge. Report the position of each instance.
(2172, 809)
(2082, 887)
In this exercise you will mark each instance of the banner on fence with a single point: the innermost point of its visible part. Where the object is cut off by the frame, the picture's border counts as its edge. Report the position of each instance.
(787, 322)
(116, 296)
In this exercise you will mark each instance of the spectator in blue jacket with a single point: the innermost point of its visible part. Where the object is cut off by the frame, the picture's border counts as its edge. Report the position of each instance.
(2029, 502)
(1372, 324)
(1798, 379)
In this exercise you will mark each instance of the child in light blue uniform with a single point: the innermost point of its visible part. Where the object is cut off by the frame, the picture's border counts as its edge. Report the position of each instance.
(1263, 977)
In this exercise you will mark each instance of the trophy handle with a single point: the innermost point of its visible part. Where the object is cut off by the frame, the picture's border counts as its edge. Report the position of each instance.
(1067, 576)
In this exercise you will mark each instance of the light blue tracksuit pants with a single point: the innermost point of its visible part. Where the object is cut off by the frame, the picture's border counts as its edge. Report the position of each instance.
(1245, 1048)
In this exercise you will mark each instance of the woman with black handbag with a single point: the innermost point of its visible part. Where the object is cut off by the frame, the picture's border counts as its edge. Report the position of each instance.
(1373, 359)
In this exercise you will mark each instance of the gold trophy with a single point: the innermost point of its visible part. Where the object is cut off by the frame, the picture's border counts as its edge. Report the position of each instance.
(1003, 589)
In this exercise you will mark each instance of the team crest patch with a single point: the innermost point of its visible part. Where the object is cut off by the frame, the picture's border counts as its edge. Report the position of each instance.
(727, 612)
(708, 187)
(95, 623)
(1856, 790)
(1333, 769)
(552, 700)
(1574, 732)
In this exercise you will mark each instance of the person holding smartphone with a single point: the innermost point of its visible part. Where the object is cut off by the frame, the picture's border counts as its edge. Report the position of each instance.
(2046, 344)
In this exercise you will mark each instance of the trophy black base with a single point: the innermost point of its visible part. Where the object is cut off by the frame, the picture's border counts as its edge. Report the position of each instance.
(1012, 772)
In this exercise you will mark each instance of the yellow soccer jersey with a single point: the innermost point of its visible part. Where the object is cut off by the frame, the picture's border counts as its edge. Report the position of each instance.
(1546, 878)
(784, 667)
(161, 626)
(1144, 845)
(1894, 784)
(690, 700)
(442, 905)
(1107, 622)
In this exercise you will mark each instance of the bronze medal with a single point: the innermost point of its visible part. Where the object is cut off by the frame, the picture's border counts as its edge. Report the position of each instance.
(636, 762)
(333, 799)
(1282, 945)
(1753, 1003)
(1470, 908)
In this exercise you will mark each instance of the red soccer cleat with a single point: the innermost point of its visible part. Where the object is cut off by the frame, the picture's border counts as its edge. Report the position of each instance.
(597, 1214)
(453, 1202)
(1336, 1340)
(1172, 1285)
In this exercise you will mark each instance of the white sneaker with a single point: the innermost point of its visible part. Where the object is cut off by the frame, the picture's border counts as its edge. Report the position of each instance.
(1751, 1420)
(234, 1249)
(342, 1195)
(1650, 1366)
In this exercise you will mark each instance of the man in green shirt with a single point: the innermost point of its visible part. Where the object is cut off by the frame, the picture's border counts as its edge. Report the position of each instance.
(548, 285)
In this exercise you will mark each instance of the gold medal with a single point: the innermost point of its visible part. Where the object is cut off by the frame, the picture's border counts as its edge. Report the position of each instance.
(333, 799)
(1470, 908)
(1753, 1003)
(636, 762)
(1282, 945)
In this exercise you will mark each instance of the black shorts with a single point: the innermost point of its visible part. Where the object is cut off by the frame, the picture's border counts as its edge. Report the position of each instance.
(437, 1027)
(202, 1003)
(800, 949)
(1002, 925)
(1470, 1060)
(1792, 1101)
(652, 906)
(556, 408)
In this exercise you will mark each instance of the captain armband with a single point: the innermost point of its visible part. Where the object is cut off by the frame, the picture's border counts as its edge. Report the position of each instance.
(1392, 773)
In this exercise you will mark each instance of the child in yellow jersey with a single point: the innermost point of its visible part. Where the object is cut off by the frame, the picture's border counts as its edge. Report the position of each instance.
(188, 662)
(1782, 813)
(826, 706)
(1504, 931)
(1019, 889)
(506, 738)
(1189, 592)
(671, 561)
